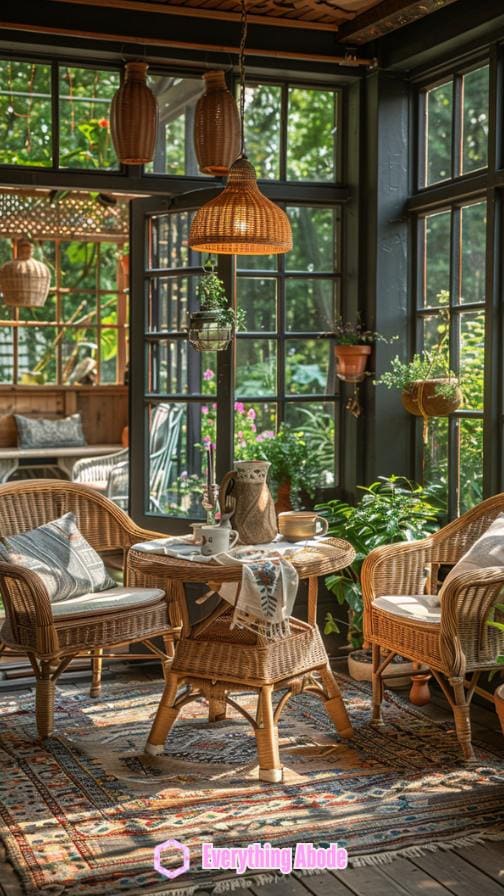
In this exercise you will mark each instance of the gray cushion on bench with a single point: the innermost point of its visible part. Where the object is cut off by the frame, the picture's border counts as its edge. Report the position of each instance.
(61, 556)
(42, 433)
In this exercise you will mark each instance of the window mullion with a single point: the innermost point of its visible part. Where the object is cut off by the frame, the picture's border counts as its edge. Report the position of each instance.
(458, 100)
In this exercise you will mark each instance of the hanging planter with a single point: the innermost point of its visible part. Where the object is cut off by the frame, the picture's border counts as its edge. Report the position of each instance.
(206, 333)
(212, 328)
(432, 398)
(24, 281)
(134, 117)
(351, 362)
(216, 127)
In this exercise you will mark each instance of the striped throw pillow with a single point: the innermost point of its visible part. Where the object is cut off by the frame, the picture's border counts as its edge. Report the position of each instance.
(61, 556)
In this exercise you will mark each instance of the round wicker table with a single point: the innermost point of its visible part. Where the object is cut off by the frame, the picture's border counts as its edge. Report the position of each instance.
(213, 658)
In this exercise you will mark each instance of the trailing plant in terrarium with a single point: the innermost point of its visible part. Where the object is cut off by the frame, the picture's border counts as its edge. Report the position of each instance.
(213, 328)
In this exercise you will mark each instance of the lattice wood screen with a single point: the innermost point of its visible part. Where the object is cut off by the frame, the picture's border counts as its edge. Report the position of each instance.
(38, 215)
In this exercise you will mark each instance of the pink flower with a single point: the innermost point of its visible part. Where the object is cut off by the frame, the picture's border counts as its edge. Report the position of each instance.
(207, 440)
(251, 414)
(214, 407)
(208, 374)
(240, 435)
(253, 427)
(268, 434)
(242, 444)
(239, 407)
(204, 409)
(184, 474)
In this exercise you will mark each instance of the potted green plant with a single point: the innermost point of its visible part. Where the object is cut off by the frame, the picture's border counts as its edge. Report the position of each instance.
(293, 467)
(393, 509)
(352, 349)
(213, 327)
(428, 387)
(499, 691)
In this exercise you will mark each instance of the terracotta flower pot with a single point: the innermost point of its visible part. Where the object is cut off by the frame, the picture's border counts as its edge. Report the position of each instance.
(360, 668)
(499, 704)
(283, 501)
(351, 361)
(422, 401)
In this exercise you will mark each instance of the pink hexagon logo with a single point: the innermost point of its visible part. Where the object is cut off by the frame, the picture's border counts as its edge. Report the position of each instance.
(185, 858)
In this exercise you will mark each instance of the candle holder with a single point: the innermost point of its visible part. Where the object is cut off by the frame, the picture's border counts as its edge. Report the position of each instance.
(210, 502)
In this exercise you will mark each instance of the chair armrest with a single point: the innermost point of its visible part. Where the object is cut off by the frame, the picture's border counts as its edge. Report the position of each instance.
(395, 569)
(467, 641)
(28, 609)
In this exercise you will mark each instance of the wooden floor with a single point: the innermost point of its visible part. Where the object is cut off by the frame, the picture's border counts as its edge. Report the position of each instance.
(478, 871)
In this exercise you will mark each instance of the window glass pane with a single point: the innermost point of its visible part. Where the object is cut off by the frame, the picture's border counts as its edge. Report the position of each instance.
(315, 238)
(6, 354)
(256, 364)
(37, 355)
(308, 364)
(257, 262)
(176, 471)
(257, 297)
(174, 367)
(78, 265)
(262, 128)
(475, 120)
(316, 420)
(437, 259)
(472, 358)
(177, 98)
(253, 423)
(108, 264)
(79, 308)
(170, 299)
(311, 305)
(25, 114)
(435, 459)
(85, 96)
(109, 340)
(470, 482)
(311, 130)
(472, 279)
(79, 350)
(439, 105)
(169, 241)
(47, 313)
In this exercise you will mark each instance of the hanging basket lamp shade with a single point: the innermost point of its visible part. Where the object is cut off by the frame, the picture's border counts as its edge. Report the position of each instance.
(134, 117)
(24, 281)
(216, 127)
(240, 220)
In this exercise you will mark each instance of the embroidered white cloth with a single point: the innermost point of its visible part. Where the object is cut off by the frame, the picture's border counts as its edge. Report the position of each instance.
(267, 591)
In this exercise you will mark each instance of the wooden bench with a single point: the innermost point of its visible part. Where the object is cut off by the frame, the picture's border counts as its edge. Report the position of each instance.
(63, 458)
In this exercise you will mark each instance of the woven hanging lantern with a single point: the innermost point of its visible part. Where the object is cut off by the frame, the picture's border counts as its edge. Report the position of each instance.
(216, 127)
(134, 117)
(24, 281)
(240, 220)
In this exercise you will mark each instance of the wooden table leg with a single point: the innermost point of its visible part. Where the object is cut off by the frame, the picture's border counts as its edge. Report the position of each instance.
(312, 600)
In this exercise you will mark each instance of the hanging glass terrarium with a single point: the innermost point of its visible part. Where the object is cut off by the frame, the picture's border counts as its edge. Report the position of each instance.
(212, 328)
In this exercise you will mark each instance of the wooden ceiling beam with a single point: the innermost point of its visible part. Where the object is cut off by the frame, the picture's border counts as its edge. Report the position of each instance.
(388, 16)
(215, 14)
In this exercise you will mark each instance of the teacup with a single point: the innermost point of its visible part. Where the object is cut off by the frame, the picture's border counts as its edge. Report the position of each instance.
(217, 540)
(297, 525)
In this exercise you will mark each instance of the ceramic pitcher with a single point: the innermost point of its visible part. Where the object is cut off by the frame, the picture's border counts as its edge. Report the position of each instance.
(254, 516)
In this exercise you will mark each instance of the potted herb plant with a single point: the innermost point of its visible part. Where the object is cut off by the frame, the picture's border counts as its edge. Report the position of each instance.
(294, 469)
(352, 349)
(428, 388)
(213, 328)
(390, 510)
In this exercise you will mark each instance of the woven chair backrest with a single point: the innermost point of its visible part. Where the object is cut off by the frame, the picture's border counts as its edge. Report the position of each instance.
(27, 504)
(452, 542)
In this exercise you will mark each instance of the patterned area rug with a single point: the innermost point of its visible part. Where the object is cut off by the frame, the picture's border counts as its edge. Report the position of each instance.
(82, 814)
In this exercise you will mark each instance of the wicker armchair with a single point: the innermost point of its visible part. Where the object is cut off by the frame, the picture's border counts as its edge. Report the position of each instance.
(95, 471)
(453, 640)
(51, 635)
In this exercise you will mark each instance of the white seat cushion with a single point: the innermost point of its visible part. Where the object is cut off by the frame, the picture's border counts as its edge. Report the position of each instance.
(104, 601)
(416, 607)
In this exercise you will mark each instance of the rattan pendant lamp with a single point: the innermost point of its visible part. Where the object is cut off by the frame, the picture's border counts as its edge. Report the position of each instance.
(240, 220)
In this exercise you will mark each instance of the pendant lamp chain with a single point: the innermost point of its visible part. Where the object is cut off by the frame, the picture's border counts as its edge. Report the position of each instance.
(243, 40)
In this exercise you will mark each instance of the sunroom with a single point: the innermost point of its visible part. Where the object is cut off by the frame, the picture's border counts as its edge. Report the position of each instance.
(251, 447)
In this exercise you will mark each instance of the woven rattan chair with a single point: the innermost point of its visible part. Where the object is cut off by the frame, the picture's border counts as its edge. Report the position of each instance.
(453, 640)
(95, 471)
(51, 635)
(215, 660)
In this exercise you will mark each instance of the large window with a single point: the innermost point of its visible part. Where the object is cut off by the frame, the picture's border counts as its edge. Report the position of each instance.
(80, 335)
(451, 300)
(281, 368)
